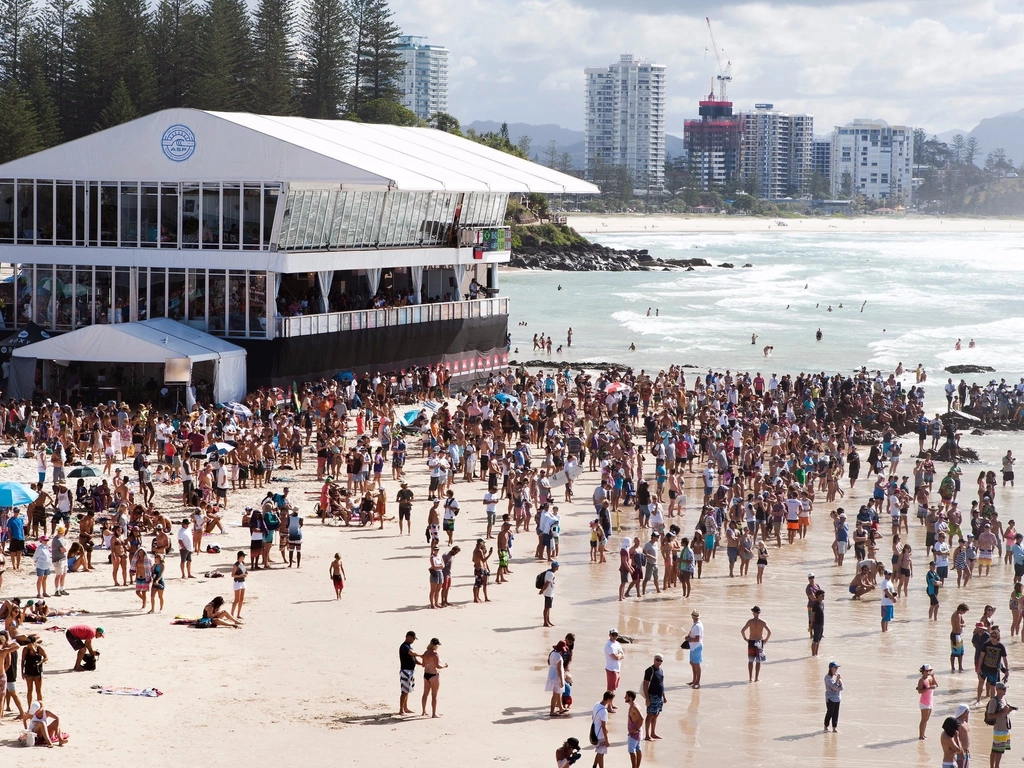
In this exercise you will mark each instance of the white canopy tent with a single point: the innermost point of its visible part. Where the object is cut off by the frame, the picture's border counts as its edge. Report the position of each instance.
(151, 341)
(236, 146)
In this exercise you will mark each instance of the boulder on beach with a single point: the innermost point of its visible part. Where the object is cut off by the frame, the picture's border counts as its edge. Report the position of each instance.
(969, 369)
(726, 265)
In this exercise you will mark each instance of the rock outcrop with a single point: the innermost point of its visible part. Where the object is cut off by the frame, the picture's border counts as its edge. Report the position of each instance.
(590, 257)
(969, 369)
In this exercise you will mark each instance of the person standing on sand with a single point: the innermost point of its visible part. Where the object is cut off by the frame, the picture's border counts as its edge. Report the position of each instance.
(833, 696)
(238, 576)
(956, 637)
(926, 686)
(634, 719)
(548, 591)
(756, 632)
(998, 711)
(436, 569)
(446, 574)
(432, 667)
(407, 660)
(557, 676)
(404, 499)
(817, 621)
(953, 752)
(504, 541)
(337, 575)
(481, 570)
(599, 724)
(654, 694)
(185, 548)
(963, 734)
(613, 656)
(695, 643)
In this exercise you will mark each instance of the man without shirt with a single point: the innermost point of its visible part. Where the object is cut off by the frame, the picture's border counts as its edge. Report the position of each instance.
(756, 632)
(956, 637)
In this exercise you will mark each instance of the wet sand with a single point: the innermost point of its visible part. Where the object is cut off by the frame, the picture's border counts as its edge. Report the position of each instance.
(313, 677)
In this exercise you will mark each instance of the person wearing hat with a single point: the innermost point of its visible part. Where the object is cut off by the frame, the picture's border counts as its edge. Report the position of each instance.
(926, 686)
(833, 695)
(407, 661)
(997, 714)
(567, 754)
(963, 735)
(889, 598)
(432, 667)
(613, 656)
(80, 638)
(756, 632)
(654, 694)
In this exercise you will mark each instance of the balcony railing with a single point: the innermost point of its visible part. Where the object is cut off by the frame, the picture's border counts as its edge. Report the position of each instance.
(335, 322)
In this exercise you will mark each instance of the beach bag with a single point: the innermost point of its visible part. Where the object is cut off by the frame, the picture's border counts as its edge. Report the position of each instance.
(27, 739)
(539, 581)
(593, 734)
(89, 662)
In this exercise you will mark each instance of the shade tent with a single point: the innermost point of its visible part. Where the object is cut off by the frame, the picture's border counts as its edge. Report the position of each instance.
(30, 334)
(235, 147)
(150, 341)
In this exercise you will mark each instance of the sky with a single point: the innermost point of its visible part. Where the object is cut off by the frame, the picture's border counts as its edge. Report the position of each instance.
(935, 64)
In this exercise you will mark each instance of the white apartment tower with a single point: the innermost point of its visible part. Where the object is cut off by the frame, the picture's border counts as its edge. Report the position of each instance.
(424, 82)
(875, 158)
(778, 151)
(625, 119)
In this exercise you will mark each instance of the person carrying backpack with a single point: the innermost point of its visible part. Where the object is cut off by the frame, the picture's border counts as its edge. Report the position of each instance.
(545, 584)
(997, 715)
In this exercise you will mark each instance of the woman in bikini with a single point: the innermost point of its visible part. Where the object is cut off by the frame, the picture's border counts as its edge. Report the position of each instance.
(432, 667)
(215, 615)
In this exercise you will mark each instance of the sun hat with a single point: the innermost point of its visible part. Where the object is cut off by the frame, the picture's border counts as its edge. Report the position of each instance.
(961, 710)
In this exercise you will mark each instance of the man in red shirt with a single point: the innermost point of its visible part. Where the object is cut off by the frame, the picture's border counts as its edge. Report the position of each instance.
(80, 638)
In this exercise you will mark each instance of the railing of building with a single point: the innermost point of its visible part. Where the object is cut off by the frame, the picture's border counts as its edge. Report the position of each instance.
(333, 322)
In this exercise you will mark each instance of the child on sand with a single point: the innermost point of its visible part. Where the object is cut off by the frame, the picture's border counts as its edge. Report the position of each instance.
(337, 575)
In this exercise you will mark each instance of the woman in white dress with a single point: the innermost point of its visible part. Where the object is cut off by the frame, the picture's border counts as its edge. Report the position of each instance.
(556, 679)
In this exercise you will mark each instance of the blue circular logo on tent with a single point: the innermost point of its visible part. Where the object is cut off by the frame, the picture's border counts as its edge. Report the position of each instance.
(178, 143)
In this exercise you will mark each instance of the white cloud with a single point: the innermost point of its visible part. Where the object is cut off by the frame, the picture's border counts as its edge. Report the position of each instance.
(934, 63)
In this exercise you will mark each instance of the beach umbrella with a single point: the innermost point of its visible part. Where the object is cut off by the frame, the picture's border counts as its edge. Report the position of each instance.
(84, 472)
(615, 386)
(13, 494)
(220, 448)
(239, 410)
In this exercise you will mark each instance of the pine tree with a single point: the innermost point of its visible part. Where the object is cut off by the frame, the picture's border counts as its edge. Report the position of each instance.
(120, 110)
(325, 34)
(376, 63)
(274, 77)
(16, 17)
(225, 57)
(175, 50)
(55, 32)
(19, 135)
(47, 117)
(111, 44)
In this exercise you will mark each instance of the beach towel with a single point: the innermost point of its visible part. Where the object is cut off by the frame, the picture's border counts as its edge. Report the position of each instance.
(56, 629)
(120, 690)
(185, 620)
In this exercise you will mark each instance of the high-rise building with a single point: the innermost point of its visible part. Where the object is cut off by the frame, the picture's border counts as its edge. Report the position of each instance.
(424, 82)
(777, 151)
(876, 160)
(713, 143)
(625, 119)
(822, 158)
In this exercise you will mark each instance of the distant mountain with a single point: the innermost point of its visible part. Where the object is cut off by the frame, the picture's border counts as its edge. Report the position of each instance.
(566, 140)
(1004, 131)
(947, 136)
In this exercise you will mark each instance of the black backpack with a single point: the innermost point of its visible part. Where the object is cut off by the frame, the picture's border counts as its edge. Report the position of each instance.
(990, 713)
(539, 581)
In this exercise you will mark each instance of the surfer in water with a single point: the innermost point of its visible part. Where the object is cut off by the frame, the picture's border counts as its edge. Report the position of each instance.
(818, 335)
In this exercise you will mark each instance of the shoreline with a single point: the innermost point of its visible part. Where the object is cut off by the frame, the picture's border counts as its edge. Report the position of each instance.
(615, 224)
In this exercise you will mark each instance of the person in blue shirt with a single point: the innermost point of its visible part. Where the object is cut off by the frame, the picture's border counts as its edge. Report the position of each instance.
(16, 533)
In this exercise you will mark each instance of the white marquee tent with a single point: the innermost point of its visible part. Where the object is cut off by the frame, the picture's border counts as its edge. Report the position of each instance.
(151, 341)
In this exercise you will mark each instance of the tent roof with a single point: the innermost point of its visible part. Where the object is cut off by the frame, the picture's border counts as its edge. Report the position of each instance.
(230, 146)
(150, 341)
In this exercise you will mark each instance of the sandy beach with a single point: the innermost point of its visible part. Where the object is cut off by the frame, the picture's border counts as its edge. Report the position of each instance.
(323, 675)
(629, 223)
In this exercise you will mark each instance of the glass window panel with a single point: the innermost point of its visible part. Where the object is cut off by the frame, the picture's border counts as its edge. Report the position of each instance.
(80, 213)
(232, 216)
(271, 196)
(168, 215)
(301, 215)
(23, 293)
(176, 300)
(6, 211)
(65, 213)
(93, 204)
(83, 296)
(26, 213)
(42, 304)
(122, 295)
(108, 215)
(288, 220)
(211, 216)
(236, 303)
(190, 216)
(251, 217)
(44, 212)
(217, 301)
(150, 214)
(257, 304)
(104, 295)
(129, 215)
(64, 294)
(157, 291)
(339, 221)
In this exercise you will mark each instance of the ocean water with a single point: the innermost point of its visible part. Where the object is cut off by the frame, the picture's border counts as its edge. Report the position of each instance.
(922, 292)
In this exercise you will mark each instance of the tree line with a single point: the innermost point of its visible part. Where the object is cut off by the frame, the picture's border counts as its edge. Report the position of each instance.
(71, 67)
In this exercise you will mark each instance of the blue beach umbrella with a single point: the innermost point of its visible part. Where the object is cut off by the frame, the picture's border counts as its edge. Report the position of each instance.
(13, 494)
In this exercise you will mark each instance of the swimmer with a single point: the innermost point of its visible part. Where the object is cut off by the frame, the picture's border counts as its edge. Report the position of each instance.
(829, 308)
(648, 311)
(559, 287)
(840, 306)
(768, 351)
(957, 345)
(818, 335)
(787, 306)
(632, 347)
(971, 344)
(753, 338)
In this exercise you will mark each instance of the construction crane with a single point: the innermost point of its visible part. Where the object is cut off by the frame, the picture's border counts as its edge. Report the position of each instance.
(724, 74)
